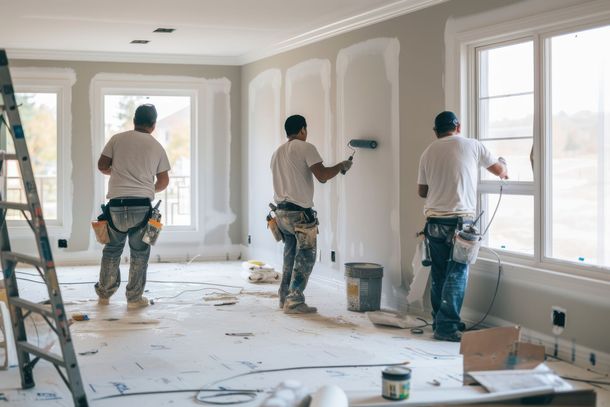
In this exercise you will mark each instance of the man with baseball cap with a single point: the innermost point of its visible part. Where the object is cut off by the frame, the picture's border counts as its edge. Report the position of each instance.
(448, 174)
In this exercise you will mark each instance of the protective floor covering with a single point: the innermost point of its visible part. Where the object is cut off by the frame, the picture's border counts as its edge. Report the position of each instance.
(224, 333)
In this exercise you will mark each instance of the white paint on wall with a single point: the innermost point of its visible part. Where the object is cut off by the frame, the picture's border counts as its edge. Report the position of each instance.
(367, 108)
(308, 94)
(264, 136)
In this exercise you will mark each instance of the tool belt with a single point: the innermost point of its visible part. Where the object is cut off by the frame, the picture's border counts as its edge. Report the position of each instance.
(117, 202)
(310, 214)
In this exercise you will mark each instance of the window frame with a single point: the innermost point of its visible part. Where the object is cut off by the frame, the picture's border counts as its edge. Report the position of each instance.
(461, 96)
(119, 84)
(60, 82)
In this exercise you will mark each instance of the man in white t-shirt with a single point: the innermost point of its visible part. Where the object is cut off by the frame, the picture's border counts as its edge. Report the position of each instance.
(448, 176)
(293, 165)
(138, 167)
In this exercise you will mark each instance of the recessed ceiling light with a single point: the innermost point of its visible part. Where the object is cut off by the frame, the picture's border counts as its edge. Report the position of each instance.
(140, 42)
(164, 30)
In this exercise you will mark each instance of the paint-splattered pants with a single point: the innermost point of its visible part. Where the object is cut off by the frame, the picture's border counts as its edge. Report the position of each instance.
(449, 279)
(130, 221)
(300, 237)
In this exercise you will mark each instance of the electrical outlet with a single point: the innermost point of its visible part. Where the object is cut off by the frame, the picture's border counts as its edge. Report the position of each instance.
(62, 243)
(558, 319)
(332, 256)
(249, 239)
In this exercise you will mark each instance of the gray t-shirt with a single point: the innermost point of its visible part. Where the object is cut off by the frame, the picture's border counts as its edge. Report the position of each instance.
(136, 158)
(449, 166)
(292, 177)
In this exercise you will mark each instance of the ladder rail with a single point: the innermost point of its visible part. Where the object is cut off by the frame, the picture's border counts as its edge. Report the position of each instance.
(56, 313)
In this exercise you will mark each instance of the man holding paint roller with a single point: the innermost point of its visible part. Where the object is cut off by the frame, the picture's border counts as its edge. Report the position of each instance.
(448, 174)
(293, 166)
(138, 167)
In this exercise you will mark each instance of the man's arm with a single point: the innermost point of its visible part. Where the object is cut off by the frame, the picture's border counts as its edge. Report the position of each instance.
(162, 181)
(422, 190)
(499, 169)
(104, 164)
(323, 173)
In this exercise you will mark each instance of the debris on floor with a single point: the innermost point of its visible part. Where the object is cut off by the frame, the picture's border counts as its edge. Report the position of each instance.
(258, 272)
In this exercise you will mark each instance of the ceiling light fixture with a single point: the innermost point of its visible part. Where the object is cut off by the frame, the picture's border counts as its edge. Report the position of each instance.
(164, 30)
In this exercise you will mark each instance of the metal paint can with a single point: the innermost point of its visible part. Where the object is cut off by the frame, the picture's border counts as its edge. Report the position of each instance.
(396, 383)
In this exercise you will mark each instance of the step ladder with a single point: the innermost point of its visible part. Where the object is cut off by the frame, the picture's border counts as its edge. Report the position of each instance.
(52, 311)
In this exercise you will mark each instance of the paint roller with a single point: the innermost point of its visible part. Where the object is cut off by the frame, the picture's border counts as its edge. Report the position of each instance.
(359, 143)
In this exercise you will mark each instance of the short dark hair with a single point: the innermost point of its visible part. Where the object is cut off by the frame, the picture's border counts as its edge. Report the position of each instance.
(294, 124)
(445, 122)
(145, 115)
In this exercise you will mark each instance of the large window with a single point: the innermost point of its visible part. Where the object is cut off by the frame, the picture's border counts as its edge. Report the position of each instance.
(173, 131)
(44, 101)
(542, 101)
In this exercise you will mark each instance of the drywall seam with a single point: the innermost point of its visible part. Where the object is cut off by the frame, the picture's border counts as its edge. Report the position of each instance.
(218, 216)
(320, 69)
(388, 50)
(60, 80)
(271, 78)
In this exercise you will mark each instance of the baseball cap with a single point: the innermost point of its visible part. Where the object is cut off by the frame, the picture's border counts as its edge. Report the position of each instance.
(445, 121)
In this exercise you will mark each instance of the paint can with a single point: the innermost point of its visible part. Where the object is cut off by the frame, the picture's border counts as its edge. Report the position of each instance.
(363, 286)
(396, 383)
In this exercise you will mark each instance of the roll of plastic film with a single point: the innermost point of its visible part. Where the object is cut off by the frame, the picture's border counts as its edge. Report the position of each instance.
(396, 383)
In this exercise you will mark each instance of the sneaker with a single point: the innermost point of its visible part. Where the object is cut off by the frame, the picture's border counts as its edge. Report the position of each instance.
(141, 303)
(301, 308)
(452, 337)
(103, 301)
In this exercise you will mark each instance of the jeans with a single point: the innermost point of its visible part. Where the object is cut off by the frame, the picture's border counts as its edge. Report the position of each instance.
(449, 279)
(129, 220)
(300, 238)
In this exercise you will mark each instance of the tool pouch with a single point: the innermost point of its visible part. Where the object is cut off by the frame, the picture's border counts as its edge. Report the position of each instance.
(307, 234)
(272, 224)
(100, 227)
(465, 247)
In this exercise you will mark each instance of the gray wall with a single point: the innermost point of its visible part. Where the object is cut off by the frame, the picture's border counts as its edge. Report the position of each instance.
(522, 299)
(84, 164)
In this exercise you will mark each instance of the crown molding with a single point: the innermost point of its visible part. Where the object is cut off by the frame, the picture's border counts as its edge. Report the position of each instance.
(147, 58)
(377, 15)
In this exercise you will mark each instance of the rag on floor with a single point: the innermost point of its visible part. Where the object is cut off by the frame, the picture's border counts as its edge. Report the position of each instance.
(259, 272)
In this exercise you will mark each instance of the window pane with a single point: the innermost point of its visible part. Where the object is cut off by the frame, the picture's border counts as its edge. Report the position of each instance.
(38, 112)
(512, 228)
(506, 117)
(580, 147)
(506, 70)
(173, 131)
(517, 155)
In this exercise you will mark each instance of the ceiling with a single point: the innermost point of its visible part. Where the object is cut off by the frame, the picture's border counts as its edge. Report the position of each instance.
(207, 31)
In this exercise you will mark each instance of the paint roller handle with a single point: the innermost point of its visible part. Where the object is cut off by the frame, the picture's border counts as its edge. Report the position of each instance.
(351, 157)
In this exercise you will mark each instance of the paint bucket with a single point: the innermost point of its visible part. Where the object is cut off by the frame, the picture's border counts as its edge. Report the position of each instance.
(363, 286)
(396, 383)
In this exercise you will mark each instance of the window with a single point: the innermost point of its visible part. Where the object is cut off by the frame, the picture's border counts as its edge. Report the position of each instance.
(116, 97)
(542, 101)
(173, 131)
(44, 98)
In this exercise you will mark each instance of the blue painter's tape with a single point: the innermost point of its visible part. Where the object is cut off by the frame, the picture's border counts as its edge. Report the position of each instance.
(18, 130)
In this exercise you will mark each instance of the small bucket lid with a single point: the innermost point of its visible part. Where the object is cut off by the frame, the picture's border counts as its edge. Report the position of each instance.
(363, 270)
(396, 373)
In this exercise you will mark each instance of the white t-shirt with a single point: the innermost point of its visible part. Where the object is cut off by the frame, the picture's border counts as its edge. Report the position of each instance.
(136, 158)
(450, 168)
(292, 177)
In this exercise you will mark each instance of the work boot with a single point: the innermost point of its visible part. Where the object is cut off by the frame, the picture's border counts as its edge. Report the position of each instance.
(282, 303)
(301, 308)
(103, 301)
(452, 337)
(141, 303)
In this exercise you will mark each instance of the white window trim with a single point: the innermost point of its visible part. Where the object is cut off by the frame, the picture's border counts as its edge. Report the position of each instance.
(60, 81)
(461, 39)
(196, 88)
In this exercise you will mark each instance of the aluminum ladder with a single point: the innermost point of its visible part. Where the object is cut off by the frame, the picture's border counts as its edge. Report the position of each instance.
(52, 311)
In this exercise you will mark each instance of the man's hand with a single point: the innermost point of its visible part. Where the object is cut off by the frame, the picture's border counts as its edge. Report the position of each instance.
(346, 165)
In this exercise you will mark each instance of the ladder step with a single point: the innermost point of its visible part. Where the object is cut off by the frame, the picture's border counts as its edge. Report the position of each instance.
(23, 258)
(31, 306)
(15, 205)
(41, 353)
(6, 156)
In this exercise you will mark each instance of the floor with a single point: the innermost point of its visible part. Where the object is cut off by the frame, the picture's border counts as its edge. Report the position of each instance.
(209, 328)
